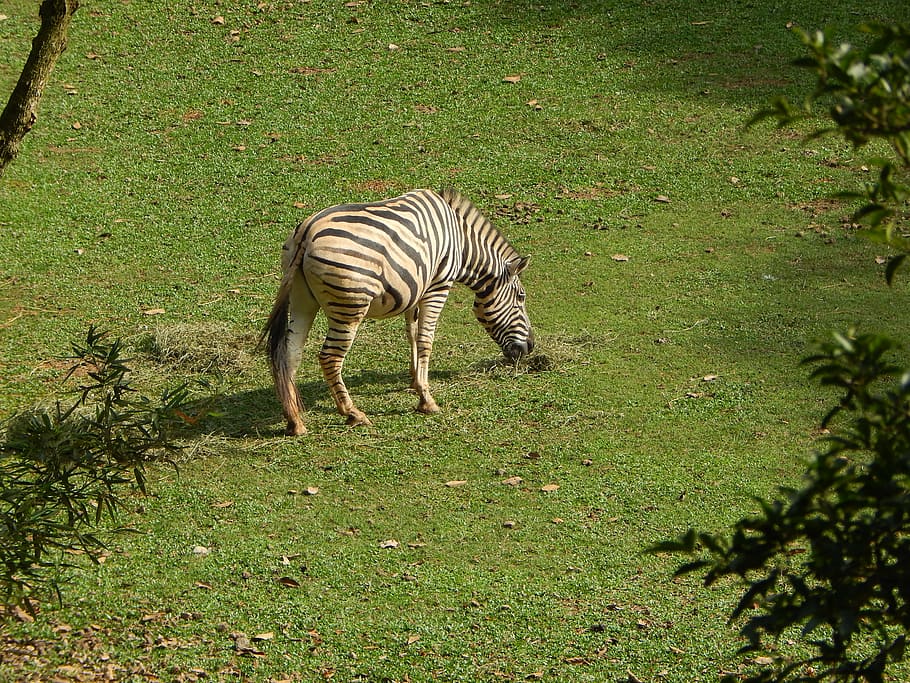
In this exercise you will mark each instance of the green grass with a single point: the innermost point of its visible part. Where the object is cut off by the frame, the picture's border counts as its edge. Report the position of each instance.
(201, 144)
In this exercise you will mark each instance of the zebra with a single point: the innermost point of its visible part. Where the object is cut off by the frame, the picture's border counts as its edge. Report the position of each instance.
(397, 256)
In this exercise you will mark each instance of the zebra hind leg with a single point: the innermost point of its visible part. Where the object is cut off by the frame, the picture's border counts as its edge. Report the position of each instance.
(302, 311)
(338, 342)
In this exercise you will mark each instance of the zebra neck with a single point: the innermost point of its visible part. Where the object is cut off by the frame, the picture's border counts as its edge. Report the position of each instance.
(481, 268)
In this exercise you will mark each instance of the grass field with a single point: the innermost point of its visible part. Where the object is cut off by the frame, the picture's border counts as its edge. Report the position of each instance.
(681, 266)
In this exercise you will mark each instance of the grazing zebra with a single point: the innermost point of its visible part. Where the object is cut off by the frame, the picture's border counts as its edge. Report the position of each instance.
(376, 260)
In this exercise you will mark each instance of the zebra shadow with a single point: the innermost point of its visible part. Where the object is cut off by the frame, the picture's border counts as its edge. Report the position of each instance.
(257, 412)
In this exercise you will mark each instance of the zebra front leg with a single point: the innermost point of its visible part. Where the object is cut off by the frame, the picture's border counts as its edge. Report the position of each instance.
(338, 342)
(421, 329)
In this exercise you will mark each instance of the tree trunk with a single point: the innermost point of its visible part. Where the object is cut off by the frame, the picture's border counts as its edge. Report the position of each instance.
(21, 111)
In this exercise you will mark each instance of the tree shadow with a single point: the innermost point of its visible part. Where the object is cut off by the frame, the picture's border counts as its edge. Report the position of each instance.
(737, 53)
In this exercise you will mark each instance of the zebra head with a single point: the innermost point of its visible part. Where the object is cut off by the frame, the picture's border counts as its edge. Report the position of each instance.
(500, 308)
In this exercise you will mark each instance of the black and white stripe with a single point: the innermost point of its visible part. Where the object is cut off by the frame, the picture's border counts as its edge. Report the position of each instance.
(399, 256)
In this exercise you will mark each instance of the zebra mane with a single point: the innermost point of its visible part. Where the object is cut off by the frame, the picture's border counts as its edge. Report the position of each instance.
(474, 219)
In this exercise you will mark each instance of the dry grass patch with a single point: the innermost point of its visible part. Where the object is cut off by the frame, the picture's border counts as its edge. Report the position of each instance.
(203, 347)
(553, 352)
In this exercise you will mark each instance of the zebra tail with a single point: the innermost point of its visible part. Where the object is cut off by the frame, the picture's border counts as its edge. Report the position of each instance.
(275, 335)
(276, 327)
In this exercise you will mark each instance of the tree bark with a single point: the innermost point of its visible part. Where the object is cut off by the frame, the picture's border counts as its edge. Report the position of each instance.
(21, 111)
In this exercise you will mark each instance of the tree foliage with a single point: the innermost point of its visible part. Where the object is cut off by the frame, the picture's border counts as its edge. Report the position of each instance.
(64, 469)
(866, 91)
(832, 557)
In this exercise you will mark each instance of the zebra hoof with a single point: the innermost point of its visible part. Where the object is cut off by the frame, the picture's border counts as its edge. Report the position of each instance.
(428, 407)
(358, 420)
(295, 429)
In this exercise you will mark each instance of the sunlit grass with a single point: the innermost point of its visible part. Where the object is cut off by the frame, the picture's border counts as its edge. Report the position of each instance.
(680, 267)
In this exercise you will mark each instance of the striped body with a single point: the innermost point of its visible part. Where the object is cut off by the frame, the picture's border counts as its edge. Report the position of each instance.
(400, 256)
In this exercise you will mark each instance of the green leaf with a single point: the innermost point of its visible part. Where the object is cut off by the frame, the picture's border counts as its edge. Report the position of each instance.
(894, 263)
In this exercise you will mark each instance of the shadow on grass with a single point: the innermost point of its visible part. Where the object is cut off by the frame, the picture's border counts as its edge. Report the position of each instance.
(257, 413)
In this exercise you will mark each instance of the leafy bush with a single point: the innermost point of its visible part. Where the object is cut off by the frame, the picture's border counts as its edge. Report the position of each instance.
(63, 468)
(832, 557)
(867, 95)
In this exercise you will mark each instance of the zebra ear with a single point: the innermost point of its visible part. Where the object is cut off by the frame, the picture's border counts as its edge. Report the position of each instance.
(516, 265)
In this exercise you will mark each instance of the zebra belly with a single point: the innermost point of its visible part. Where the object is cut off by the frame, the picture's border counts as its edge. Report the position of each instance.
(353, 289)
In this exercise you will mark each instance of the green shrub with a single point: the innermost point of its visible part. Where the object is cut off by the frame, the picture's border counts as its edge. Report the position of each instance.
(832, 557)
(63, 469)
(866, 91)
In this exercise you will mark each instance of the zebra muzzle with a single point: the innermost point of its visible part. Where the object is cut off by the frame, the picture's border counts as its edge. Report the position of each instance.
(518, 349)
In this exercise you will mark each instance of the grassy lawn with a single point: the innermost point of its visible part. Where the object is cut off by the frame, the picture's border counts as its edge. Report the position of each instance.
(681, 266)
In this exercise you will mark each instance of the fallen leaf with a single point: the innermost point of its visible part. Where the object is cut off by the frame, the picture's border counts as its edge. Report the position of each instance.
(510, 524)
(218, 21)
(268, 635)
(153, 311)
(549, 488)
(203, 585)
(709, 378)
(457, 48)
(620, 258)
(512, 481)
(455, 483)
(511, 79)
(201, 551)
(663, 199)
(77, 125)
(288, 582)
(243, 646)
(20, 614)
(299, 205)
(413, 639)
(311, 491)
(389, 544)
(881, 260)
(223, 504)
(393, 47)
